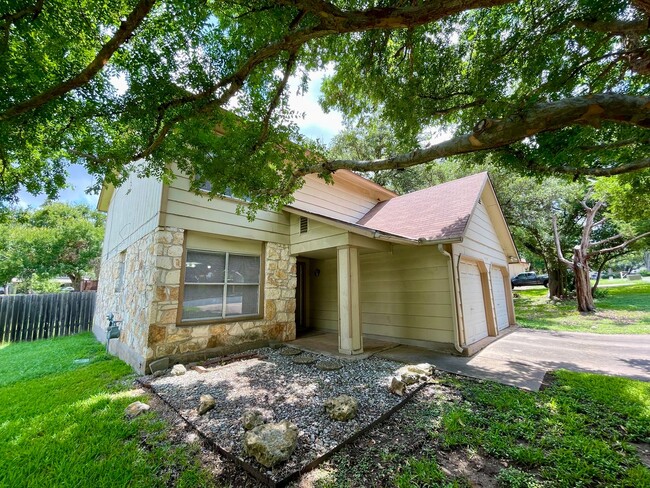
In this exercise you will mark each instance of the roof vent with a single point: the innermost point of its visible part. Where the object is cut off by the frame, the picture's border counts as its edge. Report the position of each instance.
(304, 225)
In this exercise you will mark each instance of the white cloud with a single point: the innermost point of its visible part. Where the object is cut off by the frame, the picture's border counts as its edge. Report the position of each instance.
(313, 121)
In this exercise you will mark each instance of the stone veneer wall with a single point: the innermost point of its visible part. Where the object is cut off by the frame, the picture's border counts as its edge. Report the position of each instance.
(148, 304)
(132, 303)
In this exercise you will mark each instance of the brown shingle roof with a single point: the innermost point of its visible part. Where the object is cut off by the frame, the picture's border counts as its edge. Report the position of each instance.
(437, 213)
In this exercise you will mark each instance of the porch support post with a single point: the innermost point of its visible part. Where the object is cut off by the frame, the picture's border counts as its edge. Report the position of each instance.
(350, 338)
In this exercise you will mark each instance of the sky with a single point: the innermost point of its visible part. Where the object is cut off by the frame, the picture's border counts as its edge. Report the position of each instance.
(315, 124)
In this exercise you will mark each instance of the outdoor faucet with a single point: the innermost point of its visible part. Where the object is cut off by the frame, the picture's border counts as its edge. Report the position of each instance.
(113, 331)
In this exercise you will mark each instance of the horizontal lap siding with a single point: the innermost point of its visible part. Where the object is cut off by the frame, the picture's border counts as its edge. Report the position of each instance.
(187, 210)
(341, 201)
(481, 240)
(405, 294)
(133, 213)
(318, 236)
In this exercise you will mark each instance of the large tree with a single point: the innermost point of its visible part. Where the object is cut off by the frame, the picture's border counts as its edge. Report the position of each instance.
(55, 240)
(202, 84)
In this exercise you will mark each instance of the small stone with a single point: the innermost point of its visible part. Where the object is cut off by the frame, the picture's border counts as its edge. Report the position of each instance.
(159, 365)
(81, 361)
(304, 360)
(397, 386)
(290, 351)
(200, 369)
(207, 403)
(342, 407)
(328, 365)
(270, 444)
(159, 373)
(251, 419)
(135, 409)
(178, 370)
(424, 369)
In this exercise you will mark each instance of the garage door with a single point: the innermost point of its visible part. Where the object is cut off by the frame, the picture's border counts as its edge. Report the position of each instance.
(473, 305)
(499, 296)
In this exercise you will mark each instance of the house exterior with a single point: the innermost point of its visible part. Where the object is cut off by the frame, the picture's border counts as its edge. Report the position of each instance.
(189, 277)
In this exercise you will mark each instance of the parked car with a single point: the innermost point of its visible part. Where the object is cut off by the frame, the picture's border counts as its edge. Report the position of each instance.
(67, 288)
(528, 279)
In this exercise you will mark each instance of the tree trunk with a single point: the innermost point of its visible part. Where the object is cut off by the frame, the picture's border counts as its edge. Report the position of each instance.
(557, 278)
(76, 281)
(583, 285)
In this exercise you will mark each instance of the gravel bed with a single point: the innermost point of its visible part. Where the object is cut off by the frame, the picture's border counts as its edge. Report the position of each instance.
(281, 390)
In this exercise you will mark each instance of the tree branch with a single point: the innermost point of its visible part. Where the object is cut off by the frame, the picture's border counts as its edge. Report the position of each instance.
(11, 18)
(493, 134)
(122, 35)
(620, 246)
(558, 247)
(604, 241)
(612, 171)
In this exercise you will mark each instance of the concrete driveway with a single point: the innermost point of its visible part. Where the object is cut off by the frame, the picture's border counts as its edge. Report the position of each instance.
(524, 356)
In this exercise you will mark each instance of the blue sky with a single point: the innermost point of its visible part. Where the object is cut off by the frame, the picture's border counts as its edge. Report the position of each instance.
(315, 124)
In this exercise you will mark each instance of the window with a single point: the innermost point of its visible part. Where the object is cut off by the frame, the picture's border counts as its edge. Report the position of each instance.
(220, 285)
(207, 187)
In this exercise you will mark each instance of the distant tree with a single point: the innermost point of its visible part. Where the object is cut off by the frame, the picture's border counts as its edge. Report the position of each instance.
(55, 240)
(586, 249)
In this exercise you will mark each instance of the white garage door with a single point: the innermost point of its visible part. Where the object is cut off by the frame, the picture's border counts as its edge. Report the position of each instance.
(499, 296)
(473, 305)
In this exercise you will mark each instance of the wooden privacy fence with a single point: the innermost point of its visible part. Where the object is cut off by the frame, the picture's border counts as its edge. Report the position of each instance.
(31, 317)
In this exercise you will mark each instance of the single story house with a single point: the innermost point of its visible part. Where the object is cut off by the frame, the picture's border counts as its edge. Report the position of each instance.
(189, 277)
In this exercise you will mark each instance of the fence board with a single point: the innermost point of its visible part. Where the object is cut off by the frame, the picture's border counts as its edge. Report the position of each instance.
(31, 317)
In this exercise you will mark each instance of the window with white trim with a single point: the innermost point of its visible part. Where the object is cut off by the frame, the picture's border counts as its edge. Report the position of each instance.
(220, 285)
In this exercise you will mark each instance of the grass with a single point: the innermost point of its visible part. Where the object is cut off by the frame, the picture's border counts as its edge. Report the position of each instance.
(576, 433)
(619, 310)
(62, 423)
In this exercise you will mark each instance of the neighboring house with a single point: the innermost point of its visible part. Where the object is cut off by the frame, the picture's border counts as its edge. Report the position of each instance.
(191, 278)
(519, 267)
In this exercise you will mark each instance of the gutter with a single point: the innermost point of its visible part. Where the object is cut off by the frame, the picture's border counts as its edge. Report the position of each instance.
(454, 308)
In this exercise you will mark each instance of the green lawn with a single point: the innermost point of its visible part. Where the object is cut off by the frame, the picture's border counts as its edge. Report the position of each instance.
(62, 423)
(578, 432)
(620, 310)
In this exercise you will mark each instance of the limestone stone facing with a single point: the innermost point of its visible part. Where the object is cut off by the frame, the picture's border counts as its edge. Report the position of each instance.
(148, 303)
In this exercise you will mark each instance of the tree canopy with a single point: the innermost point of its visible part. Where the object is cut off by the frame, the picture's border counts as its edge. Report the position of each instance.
(55, 240)
(545, 86)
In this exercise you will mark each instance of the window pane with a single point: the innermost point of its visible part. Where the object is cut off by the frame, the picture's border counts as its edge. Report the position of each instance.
(242, 300)
(204, 267)
(243, 269)
(202, 301)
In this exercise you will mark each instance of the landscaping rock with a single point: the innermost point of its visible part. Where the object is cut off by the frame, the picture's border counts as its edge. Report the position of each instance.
(251, 419)
(271, 444)
(135, 409)
(304, 360)
(200, 369)
(178, 370)
(159, 365)
(409, 378)
(159, 373)
(290, 351)
(397, 386)
(207, 403)
(342, 407)
(275, 345)
(328, 365)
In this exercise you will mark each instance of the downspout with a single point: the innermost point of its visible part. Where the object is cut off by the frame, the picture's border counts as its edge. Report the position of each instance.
(454, 308)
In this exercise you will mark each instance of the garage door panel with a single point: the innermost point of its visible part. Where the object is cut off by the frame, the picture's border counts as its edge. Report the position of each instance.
(473, 303)
(499, 299)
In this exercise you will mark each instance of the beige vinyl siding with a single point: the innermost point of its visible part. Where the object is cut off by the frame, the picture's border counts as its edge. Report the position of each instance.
(323, 302)
(342, 200)
(404, 295)
(481, 240)
(318, 236)
(187, 210)
(133, 212)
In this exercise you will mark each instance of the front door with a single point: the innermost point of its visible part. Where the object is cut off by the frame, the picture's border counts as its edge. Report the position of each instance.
(301, 297)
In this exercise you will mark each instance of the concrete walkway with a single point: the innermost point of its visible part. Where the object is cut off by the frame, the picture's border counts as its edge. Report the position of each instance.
(523, 357)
